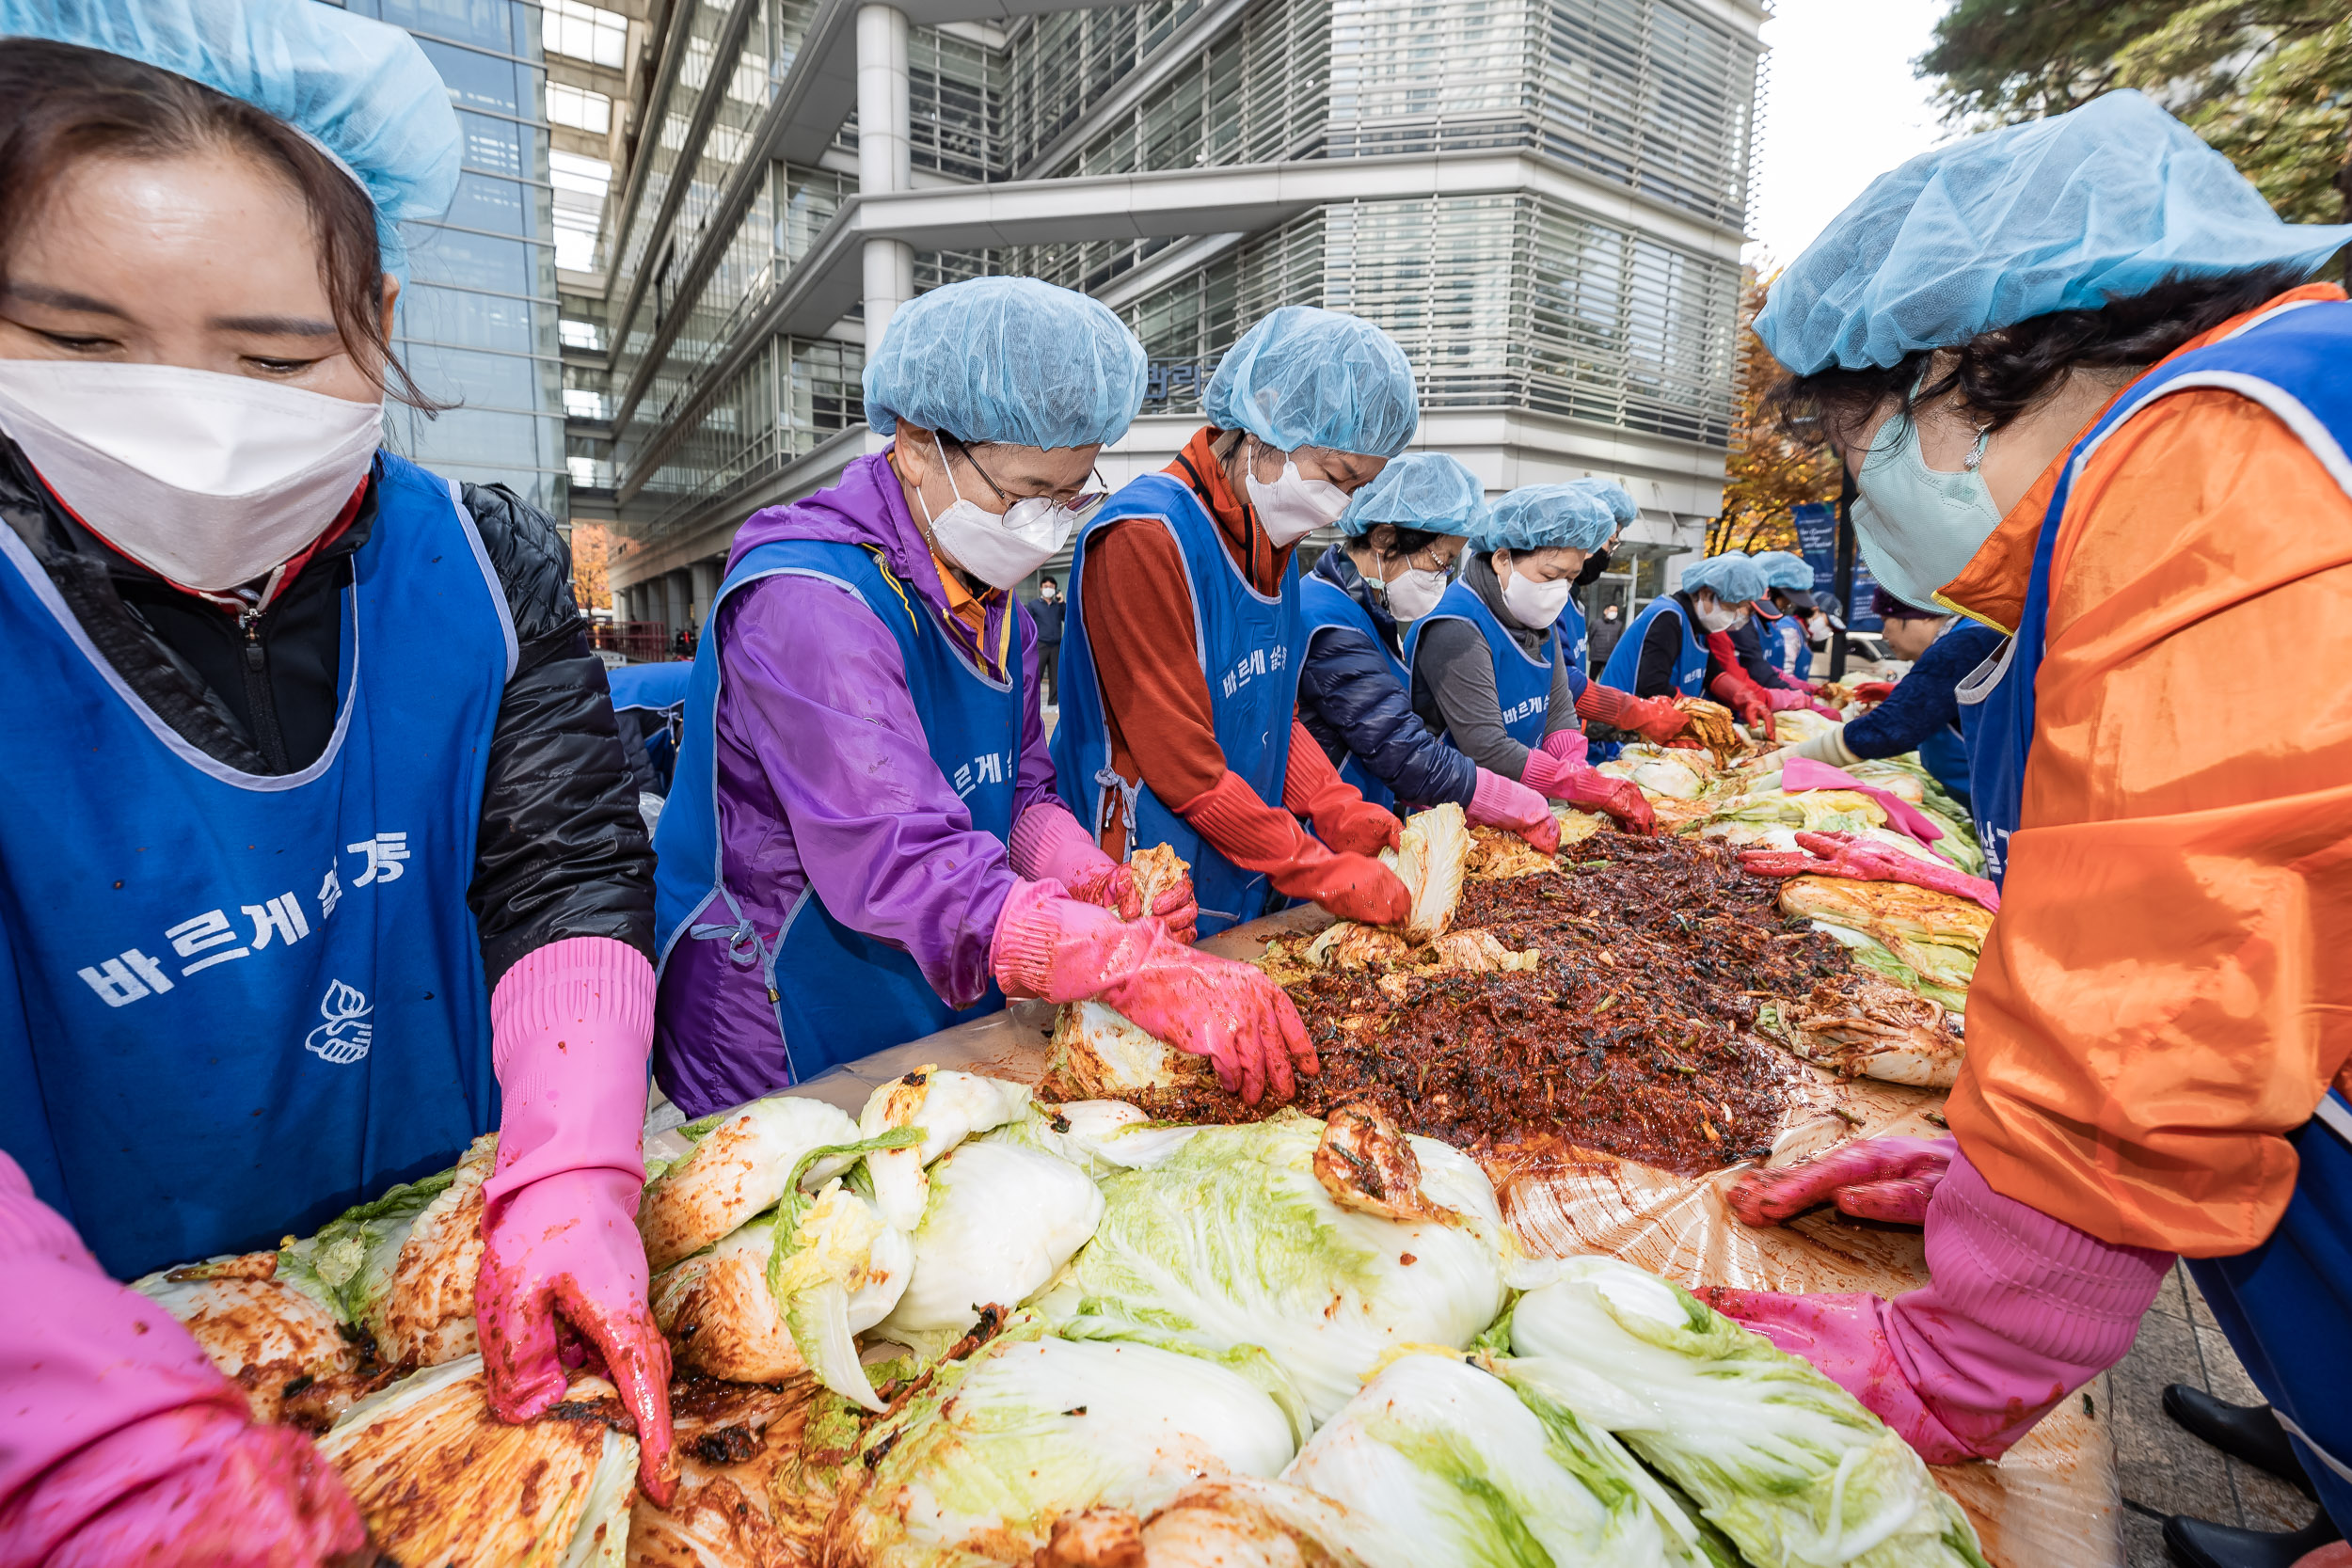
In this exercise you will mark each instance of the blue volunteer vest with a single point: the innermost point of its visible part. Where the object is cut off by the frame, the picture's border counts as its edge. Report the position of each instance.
(1786, 648)
(1522, 680)
(1325, 604)
(1625, 660)
(1249, 646)
(1575, 642)
(234, 1005)
(839, 994)
(2286, 1306)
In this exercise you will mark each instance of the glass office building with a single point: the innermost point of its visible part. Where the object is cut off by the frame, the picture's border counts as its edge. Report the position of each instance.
(476, 322)
(1541, 199)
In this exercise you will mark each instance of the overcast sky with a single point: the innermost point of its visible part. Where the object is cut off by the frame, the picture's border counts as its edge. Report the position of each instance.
(1843, 108)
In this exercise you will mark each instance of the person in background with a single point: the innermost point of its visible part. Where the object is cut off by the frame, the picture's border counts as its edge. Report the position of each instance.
(1488, 672)
(1674, 647)
(2088, 391)
(1921, 712)
(1045, 613)
(1789, 640)
(864, 846)
(1749, 664)
(1184, 634)
(334, 863)
(1402, 532)
(1576, 643)
(1601, 634)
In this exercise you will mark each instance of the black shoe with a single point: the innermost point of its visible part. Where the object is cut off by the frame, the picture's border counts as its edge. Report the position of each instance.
(2199, 1544)
(2247, 1432)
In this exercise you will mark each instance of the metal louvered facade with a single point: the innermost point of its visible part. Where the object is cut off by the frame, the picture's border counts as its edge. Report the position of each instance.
(1541, 199)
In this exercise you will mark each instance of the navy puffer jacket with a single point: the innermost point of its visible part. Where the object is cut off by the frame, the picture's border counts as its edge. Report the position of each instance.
(1351, 701)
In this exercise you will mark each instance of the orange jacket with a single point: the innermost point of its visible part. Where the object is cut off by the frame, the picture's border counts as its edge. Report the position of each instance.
(2167, 991)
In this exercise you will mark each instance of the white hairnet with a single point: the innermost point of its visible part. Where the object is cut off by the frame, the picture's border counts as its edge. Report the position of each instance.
(2061, 213)
(1732, 578)
(361, 89)
(1545, 516)
(1425, 490)
(1304, 377)
(1008, 359)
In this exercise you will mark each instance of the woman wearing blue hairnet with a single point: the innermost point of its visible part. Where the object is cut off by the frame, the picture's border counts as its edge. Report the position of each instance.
(1403, 532)
(329, 859)
(863, 845)
(1751, 671)
(2090, 395)
(1679, 645)
(1181, 653)
(1489, 669)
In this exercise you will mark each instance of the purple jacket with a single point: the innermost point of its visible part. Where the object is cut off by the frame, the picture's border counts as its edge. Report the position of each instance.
(826, 782)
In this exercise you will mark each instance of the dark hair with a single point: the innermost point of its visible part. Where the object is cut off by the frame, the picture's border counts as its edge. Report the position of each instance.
(1888, 608)
(2001, 374)
(1409, 540)
(64, 104)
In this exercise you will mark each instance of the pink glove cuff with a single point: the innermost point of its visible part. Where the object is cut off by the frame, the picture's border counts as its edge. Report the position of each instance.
(1545, 774)
(1051, 947)
(571, 1026)
(1497, 802)
(1048, 844)
(1567, 745)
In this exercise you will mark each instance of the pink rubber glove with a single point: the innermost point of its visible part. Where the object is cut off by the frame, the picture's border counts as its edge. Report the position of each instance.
(119, 1443)
(1050, 946)
(1656, 719)
(1048, 845)
(1590, 789)
(1499, 802)
(570, 1028)
(1871, 1179)
(1569, 746)
(1861, 861)
(1801, 772)
(2019, 1311)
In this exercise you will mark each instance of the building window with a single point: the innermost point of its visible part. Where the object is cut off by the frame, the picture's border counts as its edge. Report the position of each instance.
(581, 404)
(579, 188)
(579, 109)
(580, 334)
(585, 33)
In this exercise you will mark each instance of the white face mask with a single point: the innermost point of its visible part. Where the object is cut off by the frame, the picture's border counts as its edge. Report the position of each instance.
(1722, 618)
(1294, 506)
(209, 481)
(1919, 527)
(1534, 605)
(998, 549)
(1414, 592)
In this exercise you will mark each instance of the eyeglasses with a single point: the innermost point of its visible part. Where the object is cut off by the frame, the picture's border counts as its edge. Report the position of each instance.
(1084, 500)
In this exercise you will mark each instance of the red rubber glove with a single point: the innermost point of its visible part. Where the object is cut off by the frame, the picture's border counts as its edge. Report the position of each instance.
(1871, 1179)
(563, 1266)
(1343, 820)
(1873, 691)
(1257, 837)
(2019, 1310)
(1049, 846)
(1656, 719)
(1591, 790)
(1861, 861)
(1051, 947)
(1499, 802)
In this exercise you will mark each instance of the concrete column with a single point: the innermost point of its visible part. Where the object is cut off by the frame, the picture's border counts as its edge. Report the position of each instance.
(705, 579)
(680, 590)
(883, 165)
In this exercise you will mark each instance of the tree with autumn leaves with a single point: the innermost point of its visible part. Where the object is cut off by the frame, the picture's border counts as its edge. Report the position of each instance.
(1768, 472)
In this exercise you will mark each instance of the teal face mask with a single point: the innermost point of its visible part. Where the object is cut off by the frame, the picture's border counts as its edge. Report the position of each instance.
(1918, 527)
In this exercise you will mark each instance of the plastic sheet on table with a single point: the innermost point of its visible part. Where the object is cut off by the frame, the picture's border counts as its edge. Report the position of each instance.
(2051, 1499)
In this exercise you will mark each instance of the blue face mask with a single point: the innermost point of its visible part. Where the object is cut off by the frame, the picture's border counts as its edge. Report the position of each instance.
(1919, 527)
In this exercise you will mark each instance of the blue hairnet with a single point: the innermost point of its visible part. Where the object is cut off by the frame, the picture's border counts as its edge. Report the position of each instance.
(361, 89)
(1304, 377)
(1545, 516)
(1732, 578)
(1784, 569)
(1615, 496)
(1008, 359)
(1425, 490)
(2055, 215)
